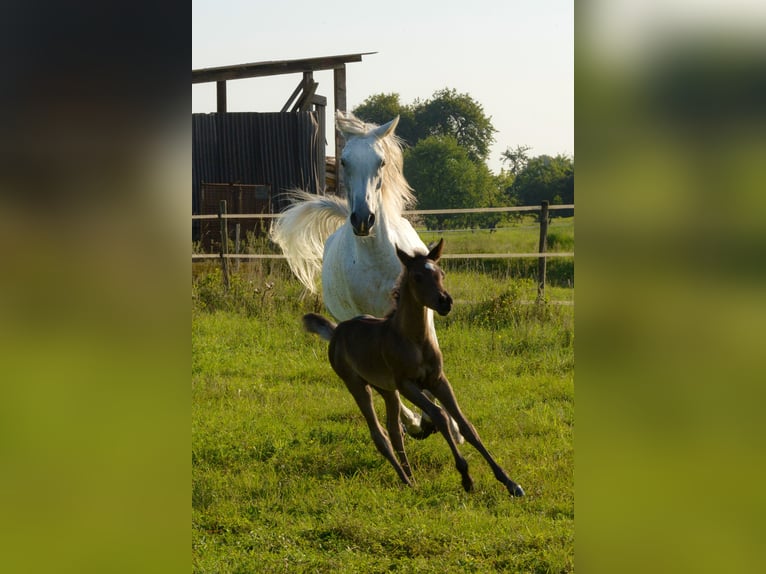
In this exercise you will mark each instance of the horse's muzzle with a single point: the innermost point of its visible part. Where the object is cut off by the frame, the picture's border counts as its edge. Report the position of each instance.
(444, 305)
(362, 225)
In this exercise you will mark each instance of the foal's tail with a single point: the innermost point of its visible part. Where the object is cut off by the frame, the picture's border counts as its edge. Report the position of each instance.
(302, 230)
(314, 323)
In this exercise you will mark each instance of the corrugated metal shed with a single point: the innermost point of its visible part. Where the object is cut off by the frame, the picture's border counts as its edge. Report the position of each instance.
(282, 150)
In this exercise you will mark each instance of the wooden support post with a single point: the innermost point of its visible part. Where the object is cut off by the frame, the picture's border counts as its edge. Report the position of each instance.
(294, 95)
(541, 262)
(220, 88)
(339, 81)
(236, 242)
(224, 242)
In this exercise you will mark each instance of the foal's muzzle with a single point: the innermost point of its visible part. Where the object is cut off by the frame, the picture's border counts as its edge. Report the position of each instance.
(362, 225)
(444, 305)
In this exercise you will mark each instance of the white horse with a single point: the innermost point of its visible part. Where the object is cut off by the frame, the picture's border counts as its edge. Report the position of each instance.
(352, 243)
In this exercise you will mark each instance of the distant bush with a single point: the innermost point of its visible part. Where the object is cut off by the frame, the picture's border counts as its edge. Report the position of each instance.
(507, 310)
(250, 292)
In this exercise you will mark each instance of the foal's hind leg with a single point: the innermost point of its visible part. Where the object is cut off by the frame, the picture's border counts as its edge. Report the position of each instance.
(415, 394)
(417, 426)
(360, 390)
(443, 391)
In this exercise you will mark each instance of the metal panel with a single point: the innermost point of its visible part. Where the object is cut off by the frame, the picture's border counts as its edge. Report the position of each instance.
(281, 150)
(240, 198)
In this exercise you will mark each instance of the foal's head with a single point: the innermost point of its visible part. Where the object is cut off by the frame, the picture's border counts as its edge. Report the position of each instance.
(423, 279)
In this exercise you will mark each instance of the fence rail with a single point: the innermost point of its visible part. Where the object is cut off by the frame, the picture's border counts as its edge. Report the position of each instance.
(530, 255)
(542, 255)
(515, 208)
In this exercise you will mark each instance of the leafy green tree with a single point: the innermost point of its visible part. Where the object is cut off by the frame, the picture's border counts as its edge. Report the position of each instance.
(446, 113)
(449, 113)
(545, 178)
(516, 158)
(444, 177)
(381, 108)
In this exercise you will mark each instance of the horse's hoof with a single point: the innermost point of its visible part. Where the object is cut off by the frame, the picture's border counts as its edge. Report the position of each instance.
(467, 483)
(515, 489)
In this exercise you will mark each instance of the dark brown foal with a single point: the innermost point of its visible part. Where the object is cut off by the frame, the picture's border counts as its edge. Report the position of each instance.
(398, 355)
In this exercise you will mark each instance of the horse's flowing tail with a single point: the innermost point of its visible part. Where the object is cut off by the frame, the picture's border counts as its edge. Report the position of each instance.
(314, 323)
(302, 230)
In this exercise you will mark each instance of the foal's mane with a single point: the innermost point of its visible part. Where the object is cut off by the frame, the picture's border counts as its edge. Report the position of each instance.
(397, 193)
(396, 291)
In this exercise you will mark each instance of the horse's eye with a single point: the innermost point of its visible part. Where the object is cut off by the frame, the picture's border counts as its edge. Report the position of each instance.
(382, 163)
(343, 161)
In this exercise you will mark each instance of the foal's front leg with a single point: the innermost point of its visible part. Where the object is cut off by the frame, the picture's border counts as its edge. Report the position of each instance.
(443, 391)
(393, 407)
(360, 390)
(441, 420)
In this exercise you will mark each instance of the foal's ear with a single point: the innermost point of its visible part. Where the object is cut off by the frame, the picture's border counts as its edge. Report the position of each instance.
(436, 251)
(403, 257)
(386, 129)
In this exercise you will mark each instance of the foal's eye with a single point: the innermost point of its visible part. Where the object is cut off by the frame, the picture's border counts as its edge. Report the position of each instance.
(382, 163)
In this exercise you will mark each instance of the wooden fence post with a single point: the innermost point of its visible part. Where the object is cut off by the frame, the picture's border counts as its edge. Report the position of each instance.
(236, 242)
(541, 261)
(224, 242)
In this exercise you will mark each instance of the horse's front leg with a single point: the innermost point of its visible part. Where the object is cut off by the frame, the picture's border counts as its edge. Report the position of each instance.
(427, 424)
(443, 391)
(415, 394)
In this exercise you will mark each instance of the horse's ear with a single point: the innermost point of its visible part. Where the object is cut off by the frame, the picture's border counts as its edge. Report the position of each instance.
(386, 129)
(436, 252)
(403, 257)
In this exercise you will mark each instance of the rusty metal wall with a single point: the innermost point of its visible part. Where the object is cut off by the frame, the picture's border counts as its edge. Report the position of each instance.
(240, 198)
(281, 150)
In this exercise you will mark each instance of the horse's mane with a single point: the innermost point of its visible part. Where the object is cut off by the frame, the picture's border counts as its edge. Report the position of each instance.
(397, 193)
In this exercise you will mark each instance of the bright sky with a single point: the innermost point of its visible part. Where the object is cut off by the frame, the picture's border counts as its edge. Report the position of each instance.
(515, 57)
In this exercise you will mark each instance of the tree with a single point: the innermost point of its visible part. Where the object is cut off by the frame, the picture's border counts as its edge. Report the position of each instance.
(449, 113)
(382, 108)
(516, 158)
(444, 177)
(545, 178)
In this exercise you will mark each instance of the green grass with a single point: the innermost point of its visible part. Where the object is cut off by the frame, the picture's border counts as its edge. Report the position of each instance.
(286, 478)
(522, 236)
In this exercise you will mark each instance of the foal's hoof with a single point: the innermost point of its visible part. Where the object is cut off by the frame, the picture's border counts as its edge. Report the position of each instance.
(427, 428)
(467, 483)
(514, 489)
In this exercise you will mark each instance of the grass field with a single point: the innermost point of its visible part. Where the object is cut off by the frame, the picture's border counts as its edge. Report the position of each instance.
(285, 475)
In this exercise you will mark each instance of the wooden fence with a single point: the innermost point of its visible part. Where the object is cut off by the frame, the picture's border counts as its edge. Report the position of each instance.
(541, 254)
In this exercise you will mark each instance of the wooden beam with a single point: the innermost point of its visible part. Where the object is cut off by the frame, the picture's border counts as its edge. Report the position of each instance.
(273, 68)
(292, 97)
(220, 89)
(307, 99)
(339, 83)
(309, 88)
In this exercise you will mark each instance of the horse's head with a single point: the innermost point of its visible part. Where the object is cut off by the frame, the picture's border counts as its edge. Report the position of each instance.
(364, 160)
(424, 279)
